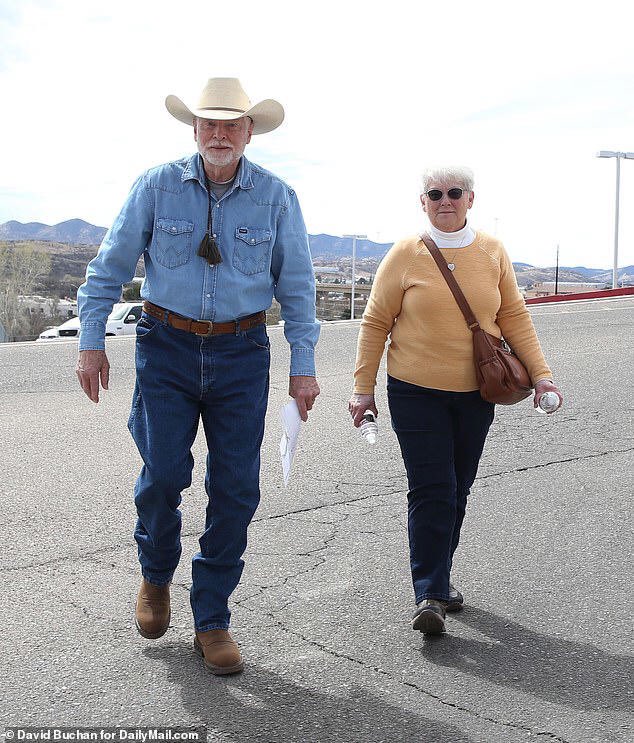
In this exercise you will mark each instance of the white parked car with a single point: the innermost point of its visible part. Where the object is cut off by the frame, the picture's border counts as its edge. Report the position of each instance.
(121, 321)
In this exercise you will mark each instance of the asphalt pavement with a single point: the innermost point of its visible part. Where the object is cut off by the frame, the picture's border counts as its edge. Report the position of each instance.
(542, 651)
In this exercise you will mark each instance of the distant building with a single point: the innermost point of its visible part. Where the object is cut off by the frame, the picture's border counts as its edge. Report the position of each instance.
(333, 305)
(49, 306)
(324, 274)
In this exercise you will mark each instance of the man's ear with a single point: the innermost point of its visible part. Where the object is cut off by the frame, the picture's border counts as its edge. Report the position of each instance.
(195, 129)
(422, 202)
(250, 129)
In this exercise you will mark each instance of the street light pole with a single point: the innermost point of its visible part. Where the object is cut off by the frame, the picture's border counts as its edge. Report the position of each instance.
(615, 269)
(354, 256)
(618, 156)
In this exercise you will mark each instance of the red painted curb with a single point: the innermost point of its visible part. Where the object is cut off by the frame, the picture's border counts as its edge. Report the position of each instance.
(582, 295)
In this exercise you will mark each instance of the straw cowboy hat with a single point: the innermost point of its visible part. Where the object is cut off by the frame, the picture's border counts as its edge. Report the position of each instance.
(224, 99)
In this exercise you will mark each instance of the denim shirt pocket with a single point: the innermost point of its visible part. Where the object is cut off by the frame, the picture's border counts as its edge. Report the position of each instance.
(172, 240)
(252, 249)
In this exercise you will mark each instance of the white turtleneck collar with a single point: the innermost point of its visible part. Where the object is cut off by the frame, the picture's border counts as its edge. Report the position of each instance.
(459, 239)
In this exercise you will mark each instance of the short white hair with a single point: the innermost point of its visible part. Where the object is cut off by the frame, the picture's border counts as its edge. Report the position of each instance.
(456, 175)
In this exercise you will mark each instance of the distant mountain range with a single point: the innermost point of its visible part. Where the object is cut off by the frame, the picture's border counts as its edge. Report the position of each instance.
(73, 231)
(324, 246)
(77, 232)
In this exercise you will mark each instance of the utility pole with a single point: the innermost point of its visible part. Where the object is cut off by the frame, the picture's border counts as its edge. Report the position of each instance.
(619, 156)
(354, 255)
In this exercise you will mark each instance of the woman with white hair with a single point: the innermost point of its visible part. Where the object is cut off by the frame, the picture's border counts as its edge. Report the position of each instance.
(439, 417)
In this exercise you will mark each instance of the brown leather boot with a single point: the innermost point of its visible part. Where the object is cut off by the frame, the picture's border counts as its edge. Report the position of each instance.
(219, 651)
(152, 612)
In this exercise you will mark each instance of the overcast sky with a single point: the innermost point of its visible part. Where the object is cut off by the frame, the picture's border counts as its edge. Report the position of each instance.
(525, 94)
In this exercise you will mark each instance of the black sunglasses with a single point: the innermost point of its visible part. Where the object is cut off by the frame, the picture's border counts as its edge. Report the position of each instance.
(454, 193)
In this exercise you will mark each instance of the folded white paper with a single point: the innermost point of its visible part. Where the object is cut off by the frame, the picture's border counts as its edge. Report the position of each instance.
(291, 426)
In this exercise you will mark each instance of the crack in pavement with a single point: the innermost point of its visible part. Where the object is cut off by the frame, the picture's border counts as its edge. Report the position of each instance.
(351, 500)
(410, 684)
(87, 557)
(319, 561)
(114, 622)
(273, 617)
(558, 461)
(309, 509)
(283, 583)
(117, 628)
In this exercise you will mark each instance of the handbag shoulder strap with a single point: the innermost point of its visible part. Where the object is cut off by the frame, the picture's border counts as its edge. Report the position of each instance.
(451, 281)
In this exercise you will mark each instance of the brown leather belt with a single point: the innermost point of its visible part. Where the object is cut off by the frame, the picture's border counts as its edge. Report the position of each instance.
(203, 327)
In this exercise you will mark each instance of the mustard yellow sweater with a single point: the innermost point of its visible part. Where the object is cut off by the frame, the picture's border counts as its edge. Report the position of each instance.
(430, 343)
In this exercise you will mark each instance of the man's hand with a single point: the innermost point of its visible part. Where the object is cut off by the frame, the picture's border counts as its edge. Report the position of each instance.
(93, 367)
(303, 390)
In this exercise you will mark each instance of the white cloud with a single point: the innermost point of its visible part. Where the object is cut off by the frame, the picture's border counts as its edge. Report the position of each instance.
(372, 92)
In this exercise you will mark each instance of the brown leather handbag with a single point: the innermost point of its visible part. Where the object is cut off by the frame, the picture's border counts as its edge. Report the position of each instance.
(501, 376)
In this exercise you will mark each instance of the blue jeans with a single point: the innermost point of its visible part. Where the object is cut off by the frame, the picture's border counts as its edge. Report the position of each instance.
(181, 378)
(441, 435)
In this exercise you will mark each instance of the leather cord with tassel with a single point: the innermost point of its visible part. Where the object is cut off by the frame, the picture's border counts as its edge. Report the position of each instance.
(208, 247)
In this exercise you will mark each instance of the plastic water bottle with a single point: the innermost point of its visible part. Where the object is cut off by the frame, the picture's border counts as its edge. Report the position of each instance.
(369, 428)
(549, 402)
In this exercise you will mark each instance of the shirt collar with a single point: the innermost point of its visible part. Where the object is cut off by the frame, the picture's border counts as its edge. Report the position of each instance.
(194, 170)
(457, 239)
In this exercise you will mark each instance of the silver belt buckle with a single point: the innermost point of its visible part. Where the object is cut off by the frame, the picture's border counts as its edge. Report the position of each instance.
(210, 327)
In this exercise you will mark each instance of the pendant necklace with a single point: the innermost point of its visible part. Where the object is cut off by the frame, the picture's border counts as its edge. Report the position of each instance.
(450, 264)
(209, 247)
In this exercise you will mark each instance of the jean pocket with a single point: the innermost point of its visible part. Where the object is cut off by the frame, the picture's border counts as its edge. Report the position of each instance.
(258, 337)
(172, 241)
(146, 326)
(252, 249)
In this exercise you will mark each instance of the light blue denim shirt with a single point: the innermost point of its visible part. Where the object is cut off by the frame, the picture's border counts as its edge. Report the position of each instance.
(261, 235)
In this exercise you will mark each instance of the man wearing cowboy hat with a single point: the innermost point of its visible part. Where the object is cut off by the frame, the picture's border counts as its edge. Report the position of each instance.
(220, 236)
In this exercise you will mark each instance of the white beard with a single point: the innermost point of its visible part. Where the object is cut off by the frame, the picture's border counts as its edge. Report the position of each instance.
(217, 157)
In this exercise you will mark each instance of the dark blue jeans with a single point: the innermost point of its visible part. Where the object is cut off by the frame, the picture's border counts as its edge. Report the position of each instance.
(181, 379)
(441, 435)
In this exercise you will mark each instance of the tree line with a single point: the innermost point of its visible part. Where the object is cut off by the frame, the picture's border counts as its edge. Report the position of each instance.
(22, 271)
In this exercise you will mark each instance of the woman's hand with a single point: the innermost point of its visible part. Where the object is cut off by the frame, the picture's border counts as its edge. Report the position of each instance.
(358, 404)
(545, 385)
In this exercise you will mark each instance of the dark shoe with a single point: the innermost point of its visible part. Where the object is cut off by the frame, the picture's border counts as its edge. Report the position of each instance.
(456, 599)
(152, 612)
(219, 652)
(429, 617)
